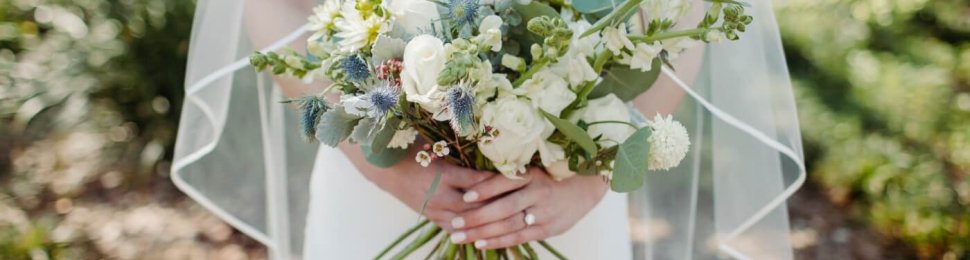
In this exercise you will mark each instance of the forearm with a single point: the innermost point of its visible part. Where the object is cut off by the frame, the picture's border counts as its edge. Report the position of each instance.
(665, 96)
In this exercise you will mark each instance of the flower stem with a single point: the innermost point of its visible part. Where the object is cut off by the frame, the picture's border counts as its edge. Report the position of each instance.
(401, 238)
(491, 255)
(470, 252)
(417, 243)
(451, 250)
(668, 35)
(528, 74)
(530, 251)
(551, 250)
(614, 122)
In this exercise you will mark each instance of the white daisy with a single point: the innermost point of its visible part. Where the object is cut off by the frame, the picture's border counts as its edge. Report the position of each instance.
(356, 31)
(323, 18)
(424, 158)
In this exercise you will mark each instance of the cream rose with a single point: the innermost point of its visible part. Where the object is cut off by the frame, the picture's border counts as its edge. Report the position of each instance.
(414, 16)
(608, 108)
(548, 92)
(424, 58)
(514, 140)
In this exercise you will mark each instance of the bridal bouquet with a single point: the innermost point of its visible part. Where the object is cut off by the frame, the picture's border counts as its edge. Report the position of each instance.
(499, 85)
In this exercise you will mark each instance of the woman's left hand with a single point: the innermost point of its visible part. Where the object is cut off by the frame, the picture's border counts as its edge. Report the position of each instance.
(555, 205)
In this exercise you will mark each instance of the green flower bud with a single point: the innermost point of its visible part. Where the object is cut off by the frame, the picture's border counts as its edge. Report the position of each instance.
(536, 51)
(514, 63)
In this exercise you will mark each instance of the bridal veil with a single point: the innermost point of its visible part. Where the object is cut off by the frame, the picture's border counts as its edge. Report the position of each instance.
(239, 154)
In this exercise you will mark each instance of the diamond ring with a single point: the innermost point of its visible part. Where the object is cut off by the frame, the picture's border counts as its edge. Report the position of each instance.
(529, 218)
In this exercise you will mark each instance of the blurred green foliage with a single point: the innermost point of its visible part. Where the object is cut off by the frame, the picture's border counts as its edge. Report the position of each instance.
(883, 89)
(100, 79)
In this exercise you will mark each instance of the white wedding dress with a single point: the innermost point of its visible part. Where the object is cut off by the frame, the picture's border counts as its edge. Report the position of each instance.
(351, 218)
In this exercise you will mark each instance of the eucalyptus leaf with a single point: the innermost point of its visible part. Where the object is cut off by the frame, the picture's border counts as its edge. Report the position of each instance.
(527, 12)
(593, 6)
(630, 165)
(626, 83)
(335, 126)
(573, 132)
(384, 159)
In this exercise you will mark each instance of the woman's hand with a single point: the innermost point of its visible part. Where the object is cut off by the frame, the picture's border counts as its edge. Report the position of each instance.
(409, 183)
(556, 205)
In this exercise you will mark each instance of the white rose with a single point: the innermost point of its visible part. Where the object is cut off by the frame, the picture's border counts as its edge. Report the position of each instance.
(608, 108)
(548, 92)
(490, 32)
(424, 58)
(415, 16)
(515, 140)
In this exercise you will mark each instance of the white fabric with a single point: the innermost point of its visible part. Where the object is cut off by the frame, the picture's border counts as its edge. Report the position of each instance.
(238, 154)
(350, 218)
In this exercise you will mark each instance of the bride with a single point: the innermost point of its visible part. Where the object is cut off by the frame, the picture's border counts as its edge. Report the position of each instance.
(236, 156)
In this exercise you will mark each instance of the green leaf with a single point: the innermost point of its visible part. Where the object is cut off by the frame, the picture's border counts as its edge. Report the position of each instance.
(363, 133)
(626, 83)
(592, 6)
(533, 10)
(630, 165)
(730, 2)
(573, 132)
(335, 126)
(434, 186)
(384, 136)
(621, 13)
(384, 159)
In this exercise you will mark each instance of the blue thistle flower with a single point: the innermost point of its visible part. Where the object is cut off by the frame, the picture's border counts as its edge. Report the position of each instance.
(312, 107)
(461, 103)
(383, 99)
(355, 68)
(463, 12)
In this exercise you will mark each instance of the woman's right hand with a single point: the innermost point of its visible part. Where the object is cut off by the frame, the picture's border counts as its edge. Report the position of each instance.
(409, 183)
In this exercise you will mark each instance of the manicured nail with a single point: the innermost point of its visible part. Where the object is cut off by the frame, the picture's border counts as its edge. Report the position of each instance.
(470, 196)
(480, 244)
(458, 237)
(458, 222)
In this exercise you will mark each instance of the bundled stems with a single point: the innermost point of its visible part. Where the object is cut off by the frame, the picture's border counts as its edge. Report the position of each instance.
(401, 238)
(428, 235)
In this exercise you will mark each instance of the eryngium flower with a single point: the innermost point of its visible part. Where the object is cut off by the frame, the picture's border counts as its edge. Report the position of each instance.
(668, 143)
(312, 107)
(461, 102)
(383, 99)
(355, 68)
(463, 12)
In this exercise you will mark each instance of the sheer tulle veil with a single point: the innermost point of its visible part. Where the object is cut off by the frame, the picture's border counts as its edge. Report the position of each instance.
(239, 155)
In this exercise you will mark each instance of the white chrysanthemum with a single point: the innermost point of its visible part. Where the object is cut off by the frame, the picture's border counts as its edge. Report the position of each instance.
(324, 16)
(403, 138)
(668, 143)
(616, 40)
(642, 57)
(355, 31)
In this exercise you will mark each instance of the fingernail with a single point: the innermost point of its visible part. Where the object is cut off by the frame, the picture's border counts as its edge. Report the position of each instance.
(470, 196)
(480, 244)
(458, 222)
(458, 237)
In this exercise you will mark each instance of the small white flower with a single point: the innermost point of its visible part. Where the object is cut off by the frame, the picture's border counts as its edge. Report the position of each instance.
(440, 149)
(714, 36)
(548, 92)
(616, 40)
(575, 69)
(642, 57)
(424, 158)
(490, 32)
(670, 10)
(585, 46)
(676, 46)
(324, 16)
(669, 143)
(403, 138)
(355, 31)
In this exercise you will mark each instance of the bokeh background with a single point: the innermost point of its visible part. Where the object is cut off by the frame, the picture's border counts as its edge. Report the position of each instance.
(90, 92)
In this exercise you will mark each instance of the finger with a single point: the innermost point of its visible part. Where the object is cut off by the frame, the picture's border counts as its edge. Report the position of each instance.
(450, 200)
(464, 178)
(494, 187)
(532, 233)
(502, 208)
(506, 226)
